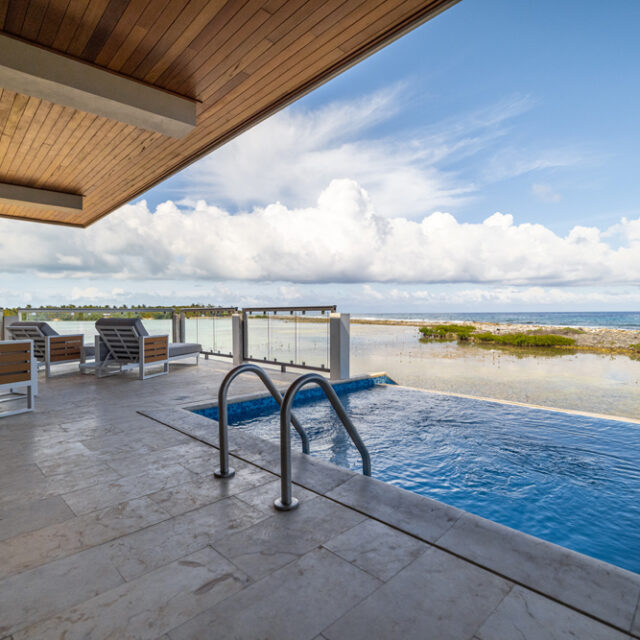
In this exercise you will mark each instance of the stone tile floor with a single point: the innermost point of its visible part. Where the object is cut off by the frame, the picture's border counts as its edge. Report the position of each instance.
(113, 526)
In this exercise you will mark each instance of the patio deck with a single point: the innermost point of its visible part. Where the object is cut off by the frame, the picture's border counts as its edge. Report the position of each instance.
(112, 526)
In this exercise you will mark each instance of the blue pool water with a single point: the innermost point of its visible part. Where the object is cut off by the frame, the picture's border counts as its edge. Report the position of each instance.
(568, 479)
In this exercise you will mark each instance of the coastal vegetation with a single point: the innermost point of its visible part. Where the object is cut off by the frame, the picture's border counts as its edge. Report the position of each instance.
(559, 339)
(469, 333)
(525, 340)
(448, 331)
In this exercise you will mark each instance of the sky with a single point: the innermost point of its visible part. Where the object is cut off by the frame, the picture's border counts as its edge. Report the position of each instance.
(487, 161)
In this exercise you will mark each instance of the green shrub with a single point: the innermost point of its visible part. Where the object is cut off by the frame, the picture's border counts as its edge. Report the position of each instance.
(447, 331)
(635, 347)
(561, 330)
(524, 340)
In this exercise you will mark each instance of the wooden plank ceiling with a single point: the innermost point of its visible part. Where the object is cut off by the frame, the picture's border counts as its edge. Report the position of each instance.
(241, 60)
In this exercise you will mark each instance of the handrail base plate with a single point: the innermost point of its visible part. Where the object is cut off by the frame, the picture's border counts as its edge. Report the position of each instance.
(281, 506)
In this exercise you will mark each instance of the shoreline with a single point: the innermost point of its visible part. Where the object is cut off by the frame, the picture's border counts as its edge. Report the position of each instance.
(605, 340)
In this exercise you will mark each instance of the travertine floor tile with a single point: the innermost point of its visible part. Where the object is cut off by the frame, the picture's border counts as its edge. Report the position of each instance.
(284, 537)
(437, 596)
(528, 616)
(39, 593)
(29, 516)
(416, 514)
(294, 603)
(206, 489)
(121, 489)
(605, 591)
(148, 606)
(377, 548)
(29, 550)
(169, 540)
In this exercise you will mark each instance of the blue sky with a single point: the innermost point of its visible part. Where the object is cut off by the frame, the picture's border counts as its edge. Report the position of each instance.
(573, 66)
(485, 161)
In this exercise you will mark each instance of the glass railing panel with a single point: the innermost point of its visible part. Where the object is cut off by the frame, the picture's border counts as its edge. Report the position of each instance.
(296, 336)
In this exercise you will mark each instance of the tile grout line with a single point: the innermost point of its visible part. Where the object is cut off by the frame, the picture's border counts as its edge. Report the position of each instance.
(506, 595)
(634, 619)
(378, 587)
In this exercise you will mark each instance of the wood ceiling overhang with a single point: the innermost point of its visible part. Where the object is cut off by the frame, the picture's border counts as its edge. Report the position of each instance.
(241, 61)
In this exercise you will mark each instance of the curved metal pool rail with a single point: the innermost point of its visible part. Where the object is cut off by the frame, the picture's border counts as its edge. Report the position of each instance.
(223, 421)
(286, 502)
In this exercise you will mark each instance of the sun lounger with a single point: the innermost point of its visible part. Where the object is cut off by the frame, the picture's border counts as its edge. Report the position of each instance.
(49, 347)
(18, 371)
(124, 344)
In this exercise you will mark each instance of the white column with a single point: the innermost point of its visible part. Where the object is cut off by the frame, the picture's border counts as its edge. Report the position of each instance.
(7, 321)
(339, 330)
(182, 328)
(175, 327)
(237, 338)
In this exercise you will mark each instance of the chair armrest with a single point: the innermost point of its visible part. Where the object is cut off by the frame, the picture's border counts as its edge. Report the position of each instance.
(15, 361)
(64, 348)
(155, 348)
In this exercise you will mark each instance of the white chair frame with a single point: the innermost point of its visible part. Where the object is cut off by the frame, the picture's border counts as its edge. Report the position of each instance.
(51, 350)
(127, 350)
(18, 370)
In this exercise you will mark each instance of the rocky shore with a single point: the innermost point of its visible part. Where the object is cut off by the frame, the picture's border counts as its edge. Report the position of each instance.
(598, 339)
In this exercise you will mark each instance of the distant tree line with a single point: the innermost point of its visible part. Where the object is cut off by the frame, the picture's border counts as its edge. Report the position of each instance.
(70, 312)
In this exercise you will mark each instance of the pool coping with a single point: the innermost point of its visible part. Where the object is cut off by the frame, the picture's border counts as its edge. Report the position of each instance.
(259, 395)
(213, 402)
(600, 590)
(526, 405)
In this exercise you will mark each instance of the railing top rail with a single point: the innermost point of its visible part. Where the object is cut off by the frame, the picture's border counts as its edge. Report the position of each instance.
(168, 309)
(97, 309)
(216, 309)
(331, 307)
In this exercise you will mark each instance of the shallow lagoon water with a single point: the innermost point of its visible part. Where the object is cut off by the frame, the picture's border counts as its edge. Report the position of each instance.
(579, 381)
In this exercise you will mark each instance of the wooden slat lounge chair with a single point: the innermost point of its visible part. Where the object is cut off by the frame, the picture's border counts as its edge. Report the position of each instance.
(49, 347)
(18, 370)
(125, 344)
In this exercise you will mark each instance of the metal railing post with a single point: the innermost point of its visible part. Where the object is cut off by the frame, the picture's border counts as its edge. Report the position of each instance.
(225, 471)
(286, 501)
(175, 327)
(7, 321)
(245, 336)
(237, 338)
(339, 334)
(182, 328)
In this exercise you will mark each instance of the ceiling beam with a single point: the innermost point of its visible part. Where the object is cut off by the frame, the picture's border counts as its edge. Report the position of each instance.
(14, 194)
(39, 72)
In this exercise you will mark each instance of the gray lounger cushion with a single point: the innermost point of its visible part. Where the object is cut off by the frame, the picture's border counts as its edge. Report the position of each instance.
(43, 326)
(136, 323)
(90, 351)
(183, 348)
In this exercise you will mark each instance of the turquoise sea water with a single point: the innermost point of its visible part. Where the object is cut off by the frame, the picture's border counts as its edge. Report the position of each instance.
(613, 319)
(568, 479)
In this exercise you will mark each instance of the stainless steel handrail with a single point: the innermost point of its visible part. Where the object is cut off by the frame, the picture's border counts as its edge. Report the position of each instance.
(225, 471)
(286, 502)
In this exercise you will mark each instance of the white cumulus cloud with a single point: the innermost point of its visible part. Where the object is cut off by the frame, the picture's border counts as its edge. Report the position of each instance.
(341, 239)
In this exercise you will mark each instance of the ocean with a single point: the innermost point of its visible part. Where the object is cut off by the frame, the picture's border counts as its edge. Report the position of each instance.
(611, 319)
